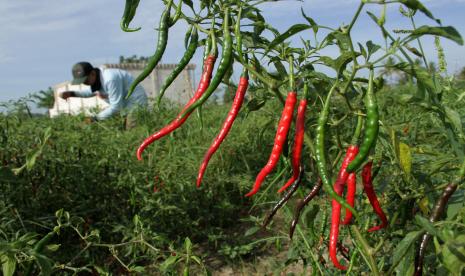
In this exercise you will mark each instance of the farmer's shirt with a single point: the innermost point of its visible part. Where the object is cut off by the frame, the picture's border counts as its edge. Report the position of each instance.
(115, 84)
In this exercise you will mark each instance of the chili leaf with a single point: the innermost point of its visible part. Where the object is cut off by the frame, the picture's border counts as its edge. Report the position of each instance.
(188, 246)
(290, 32)
(426, 225)
(310, 21)
(373, 17)
(405, 158)
(341, 39)
(44, 263)
(404, 246)
(196, 259)
(372, 48)
(340, 63)
(362, 50)
(413, 50)
(453, 255)
(417, 5)
(448, 32)
(421, 74)
(454, 118)
(259, 25)
(279, 66)
(251, 231)
(255, 104)
(8, 264)
(166, 265)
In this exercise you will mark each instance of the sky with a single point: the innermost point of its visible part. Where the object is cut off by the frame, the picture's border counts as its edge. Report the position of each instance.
(41, 40)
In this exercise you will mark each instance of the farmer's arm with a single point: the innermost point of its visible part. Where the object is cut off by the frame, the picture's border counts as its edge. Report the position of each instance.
(115, 92)
(85, 93)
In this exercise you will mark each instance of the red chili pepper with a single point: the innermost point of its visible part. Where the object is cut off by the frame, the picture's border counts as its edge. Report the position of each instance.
(236, 106)
(176, 123)
(298, 142)
(279, 140)
(334, 230)
(350, 196)
(368, 187)
(336, 207)
(342, 176)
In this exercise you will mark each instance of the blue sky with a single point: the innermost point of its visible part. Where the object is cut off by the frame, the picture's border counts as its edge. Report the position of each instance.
(41, 40)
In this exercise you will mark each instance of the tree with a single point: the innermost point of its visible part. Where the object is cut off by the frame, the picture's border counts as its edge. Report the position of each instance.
(44, 98)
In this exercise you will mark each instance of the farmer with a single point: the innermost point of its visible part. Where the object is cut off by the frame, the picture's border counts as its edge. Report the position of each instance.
(112, 86)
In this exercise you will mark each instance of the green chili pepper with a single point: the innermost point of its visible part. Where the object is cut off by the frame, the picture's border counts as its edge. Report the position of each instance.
(161, 46)
(226, 60)
(128, 14)
(181, 65)
(320, 154)
(371, 127)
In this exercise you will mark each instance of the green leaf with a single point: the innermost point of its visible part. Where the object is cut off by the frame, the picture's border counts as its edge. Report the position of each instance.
(259, 25)
(372, 48)
(290, 32)
(405, 266)
(196, 259)
(188, 246)
(340, 63)
(362, 50)
(421, 74)
(453, 255)
(53, 247)
(344, 59)
(258, 28)
(310, 21)
(139, 269)
(279, 66)
(166, 265)
(404, 245)
(417, 5)
(255, 104)
(454, 118)
(405, 158)
(251, 231)
(426, 225)
(47, 134)
(8, 264)
(373, 17)
(44, 263)
(413, 50)
(446, 32)
(341, 39)
(456, 203)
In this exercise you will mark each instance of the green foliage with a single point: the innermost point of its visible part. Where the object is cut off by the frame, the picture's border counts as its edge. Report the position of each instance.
(91, 172)
(44, 98)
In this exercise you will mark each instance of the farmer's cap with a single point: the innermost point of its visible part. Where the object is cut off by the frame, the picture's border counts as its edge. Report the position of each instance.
(80, 72)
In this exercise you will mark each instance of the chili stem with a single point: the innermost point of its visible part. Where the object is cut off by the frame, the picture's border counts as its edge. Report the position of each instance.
(367, 250)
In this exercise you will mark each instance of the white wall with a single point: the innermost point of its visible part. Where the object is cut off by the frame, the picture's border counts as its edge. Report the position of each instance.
(75, 105)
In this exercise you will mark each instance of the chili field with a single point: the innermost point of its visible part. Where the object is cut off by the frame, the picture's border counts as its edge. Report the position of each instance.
(103, 211)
